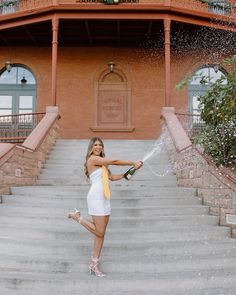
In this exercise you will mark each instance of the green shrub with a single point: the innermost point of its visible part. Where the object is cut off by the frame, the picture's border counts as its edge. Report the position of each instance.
(218, 110)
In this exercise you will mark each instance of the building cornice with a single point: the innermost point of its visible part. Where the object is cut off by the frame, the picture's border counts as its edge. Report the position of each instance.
(127, 11)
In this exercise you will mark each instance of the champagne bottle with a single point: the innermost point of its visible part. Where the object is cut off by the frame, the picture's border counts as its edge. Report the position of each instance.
(128, 174)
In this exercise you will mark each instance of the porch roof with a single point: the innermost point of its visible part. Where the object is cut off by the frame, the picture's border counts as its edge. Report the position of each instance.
(96, 24)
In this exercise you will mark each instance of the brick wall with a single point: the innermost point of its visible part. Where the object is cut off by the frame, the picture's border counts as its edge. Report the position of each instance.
(21, 165)
(215, 186)
(78, 73)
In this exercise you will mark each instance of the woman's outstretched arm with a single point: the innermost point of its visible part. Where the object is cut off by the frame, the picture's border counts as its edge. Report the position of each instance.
(99, 161)
(114, 177)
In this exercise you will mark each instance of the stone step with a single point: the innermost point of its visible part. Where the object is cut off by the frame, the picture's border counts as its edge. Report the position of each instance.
(117, 211)
(64, 180)
(61, 282)
(208, 291)
(72, 201)
(136, 179)
(47, 241)
(113, 149)
(71, 233)
(78, 172)
(117, 146)
(192, 232)
(123, 248)
(119, 191)
(159, 170)
(59, 160)
(184, 283)
(159, 165)
(158, 223)
(204, 246)
(117, 264)
(118, 142)
(131, 154)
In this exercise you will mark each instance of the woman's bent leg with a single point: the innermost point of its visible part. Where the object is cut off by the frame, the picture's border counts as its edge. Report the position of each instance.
(98, 228)
(89, 225)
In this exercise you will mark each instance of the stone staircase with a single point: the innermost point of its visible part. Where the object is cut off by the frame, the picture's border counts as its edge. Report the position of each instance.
(160, 239)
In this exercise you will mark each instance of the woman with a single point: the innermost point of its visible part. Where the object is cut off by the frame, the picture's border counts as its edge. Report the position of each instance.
(98, 198)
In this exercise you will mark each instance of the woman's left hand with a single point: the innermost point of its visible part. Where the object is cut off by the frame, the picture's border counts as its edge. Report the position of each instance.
(138, 164)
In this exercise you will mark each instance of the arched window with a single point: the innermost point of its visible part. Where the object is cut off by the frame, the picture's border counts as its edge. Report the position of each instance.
(200, 84)
(17, 91)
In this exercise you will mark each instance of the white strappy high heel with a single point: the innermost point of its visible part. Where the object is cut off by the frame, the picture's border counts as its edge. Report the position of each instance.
(93, 267)
(74, 214)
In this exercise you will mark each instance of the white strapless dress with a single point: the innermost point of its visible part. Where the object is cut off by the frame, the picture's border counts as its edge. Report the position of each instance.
(98, 205)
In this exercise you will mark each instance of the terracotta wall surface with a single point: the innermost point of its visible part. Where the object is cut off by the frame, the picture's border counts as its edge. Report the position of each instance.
(79, 70)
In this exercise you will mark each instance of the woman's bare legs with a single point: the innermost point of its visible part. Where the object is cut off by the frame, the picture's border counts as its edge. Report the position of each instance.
(98, 228)
(101, 225)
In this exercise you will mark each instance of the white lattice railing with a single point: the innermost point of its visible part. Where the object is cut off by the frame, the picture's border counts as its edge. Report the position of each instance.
(194, 5)
(32, 4)
(16, 128)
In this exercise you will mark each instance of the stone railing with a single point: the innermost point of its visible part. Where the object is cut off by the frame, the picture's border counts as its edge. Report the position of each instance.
(192, 124)
(192, 5)
(216, 186)
(21, 165)
(16, 128)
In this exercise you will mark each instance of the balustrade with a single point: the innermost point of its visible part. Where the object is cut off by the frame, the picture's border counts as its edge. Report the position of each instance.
(15, 128)
(33, 4)
(216, 7)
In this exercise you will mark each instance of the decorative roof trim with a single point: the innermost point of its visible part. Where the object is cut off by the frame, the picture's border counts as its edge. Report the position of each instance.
(108, 2)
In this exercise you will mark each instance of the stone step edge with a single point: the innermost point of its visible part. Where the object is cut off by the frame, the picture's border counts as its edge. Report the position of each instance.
(203, 228)
(81, 258)
(226, 279)
(115, 218)
(54, 242)
(128, 198)
(179, 188)
(151, 208)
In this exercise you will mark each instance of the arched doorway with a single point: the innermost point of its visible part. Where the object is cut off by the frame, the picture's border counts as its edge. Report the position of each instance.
(201, 81)
(18, 90)
(200, 84)
(112, 102)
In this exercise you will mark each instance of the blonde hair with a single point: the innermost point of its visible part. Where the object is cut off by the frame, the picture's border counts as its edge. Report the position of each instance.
(90, 152)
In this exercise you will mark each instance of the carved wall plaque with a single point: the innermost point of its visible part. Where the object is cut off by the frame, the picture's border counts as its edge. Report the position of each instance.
(112, 107)
(112, 102)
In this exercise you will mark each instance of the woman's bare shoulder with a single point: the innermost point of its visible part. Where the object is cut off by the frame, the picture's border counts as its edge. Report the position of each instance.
(92, 159)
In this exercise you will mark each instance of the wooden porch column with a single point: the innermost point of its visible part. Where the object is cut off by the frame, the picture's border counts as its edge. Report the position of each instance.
(167, 24)
(55, 26)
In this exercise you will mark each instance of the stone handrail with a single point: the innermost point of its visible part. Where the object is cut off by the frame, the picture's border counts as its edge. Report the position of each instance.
(39, 133)
(216, 186)
(180, 137)
(5, 148)
(21, 164)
